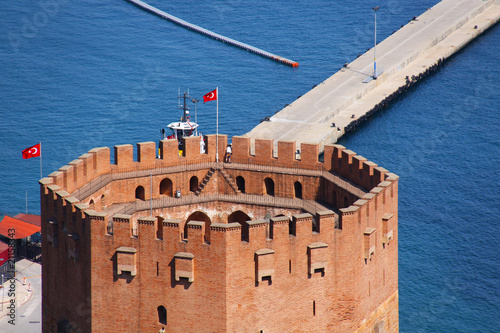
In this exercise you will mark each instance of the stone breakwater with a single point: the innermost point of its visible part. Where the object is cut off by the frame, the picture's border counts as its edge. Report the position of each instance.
(341, 102)
(410, 82)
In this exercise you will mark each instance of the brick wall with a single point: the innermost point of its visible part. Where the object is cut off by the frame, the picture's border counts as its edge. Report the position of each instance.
(220, 265)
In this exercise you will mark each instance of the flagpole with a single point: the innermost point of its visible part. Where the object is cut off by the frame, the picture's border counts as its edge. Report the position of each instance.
(217, 137)
(41, 160)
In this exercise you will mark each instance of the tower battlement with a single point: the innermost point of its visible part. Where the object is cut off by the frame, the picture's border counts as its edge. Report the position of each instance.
(228, 235)
(97, 162)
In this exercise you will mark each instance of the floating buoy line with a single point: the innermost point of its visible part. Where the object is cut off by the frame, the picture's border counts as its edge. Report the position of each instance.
(213, 35)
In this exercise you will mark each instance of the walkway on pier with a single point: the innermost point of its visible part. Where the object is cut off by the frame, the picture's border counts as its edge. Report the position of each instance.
(211, 34)
(344, 99)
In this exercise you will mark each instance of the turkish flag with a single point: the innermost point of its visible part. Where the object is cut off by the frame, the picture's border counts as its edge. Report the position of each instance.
(33, 151)
(211, 96)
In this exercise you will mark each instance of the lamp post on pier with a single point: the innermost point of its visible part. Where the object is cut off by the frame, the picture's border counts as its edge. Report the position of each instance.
(375, 46)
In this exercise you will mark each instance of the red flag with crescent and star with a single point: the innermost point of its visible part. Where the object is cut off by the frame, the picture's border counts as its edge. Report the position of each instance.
(211, 96)
(33, 151)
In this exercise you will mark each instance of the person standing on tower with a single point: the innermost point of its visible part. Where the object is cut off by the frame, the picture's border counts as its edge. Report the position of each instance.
(229, 152)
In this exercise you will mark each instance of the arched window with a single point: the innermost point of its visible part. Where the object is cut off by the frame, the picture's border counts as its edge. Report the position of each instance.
(238, 216)
(166, 187)
(241, 218)
(298, 190)
(269, 186)
(193, 184)
(162, 315)
(139, 193)
(91, 204)
(240, 183)
(199, 216)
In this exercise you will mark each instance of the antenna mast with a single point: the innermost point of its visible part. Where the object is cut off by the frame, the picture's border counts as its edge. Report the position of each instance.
(184, 106)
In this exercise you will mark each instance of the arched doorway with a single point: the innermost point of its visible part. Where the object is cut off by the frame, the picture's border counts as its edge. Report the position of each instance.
(240, 183)
(238, 216)
(199, 216)
(241, 218)
(193, 184)
(297, 186)
(269, 186)
(139, 193)
(166, 187)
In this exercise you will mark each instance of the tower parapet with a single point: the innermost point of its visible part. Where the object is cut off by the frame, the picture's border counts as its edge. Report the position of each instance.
(224, 232)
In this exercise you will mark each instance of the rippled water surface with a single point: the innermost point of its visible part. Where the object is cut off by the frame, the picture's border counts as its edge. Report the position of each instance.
(82, 74)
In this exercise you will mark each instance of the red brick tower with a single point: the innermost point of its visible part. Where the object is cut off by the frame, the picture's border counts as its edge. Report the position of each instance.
(272, 242)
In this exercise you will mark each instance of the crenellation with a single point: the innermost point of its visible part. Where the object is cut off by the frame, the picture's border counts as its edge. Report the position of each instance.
(279, 227)
(122, 218)
(169, 153)
(212, 145)
(81, 207)
(347, 156)
(46, 181)
(326, 222)
(195, 232)
(360, 202)
(146, 220)
(257, 230)
(172, 231)
(88, 166)
(197, 244)
(264, 150)
(368, 196)
(53, 188)
(57, 178)
(124, 156)
(96, 216)
(67, 177)
(328, 151)
(61, 195)
(146, 153)
(391, 176)
(378, 175)
(101, 161)
(287, 153)
(122, 226)
(79, 178)
(384, 183)
(72, 200)
(309, 153)
(192, 148)
(240, 149)
(358, 167)
(146, 228)
(301, 224)
(224, 227)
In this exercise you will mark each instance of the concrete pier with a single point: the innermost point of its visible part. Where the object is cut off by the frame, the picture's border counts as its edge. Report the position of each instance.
(405, 57)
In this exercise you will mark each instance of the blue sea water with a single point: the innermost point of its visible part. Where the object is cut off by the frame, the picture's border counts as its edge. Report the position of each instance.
(82, 74)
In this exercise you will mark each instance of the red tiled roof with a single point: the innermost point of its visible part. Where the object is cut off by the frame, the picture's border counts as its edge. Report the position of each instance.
(21, 229)
(30, 218)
